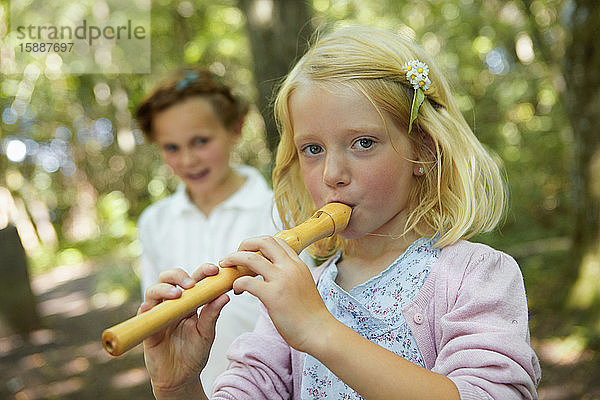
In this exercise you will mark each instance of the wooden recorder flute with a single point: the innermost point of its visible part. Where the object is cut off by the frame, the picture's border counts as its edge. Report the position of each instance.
(327, 221)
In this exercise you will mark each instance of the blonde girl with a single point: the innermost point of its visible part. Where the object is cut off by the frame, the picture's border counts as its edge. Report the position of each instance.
(404, 307)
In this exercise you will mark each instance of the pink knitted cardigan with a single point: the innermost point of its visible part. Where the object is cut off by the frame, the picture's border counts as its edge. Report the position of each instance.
(469, 319)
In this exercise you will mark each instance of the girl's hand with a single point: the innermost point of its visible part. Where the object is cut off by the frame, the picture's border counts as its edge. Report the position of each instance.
(175, 355)
(288, 290)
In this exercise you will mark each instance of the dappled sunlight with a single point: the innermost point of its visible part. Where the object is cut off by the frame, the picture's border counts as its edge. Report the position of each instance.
(559, 391)
(75, 303)
(30, 215)
(64, 387)
(113, 299)
(52, 390)
(587, 288)
(62, 369)
(33, 361)
(68, 367)
(41, 337)
(564, 351)
(57, 276)
(9, 343)
(76, 366)
(130, 378)
(95, 352)
(568, 368)
(70, 305)
(65, 357)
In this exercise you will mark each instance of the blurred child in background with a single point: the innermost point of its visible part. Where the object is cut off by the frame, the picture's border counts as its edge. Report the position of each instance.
(195, 120)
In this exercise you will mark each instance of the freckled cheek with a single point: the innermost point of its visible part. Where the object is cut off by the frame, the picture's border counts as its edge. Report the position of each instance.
(313, 182)
(316, 195)
(385, 184)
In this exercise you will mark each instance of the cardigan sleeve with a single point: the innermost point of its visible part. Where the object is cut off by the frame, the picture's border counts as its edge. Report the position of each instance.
(482, 338)
(260, 366)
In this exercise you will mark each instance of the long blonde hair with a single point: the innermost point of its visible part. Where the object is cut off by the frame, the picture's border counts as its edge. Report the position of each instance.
(462, 192)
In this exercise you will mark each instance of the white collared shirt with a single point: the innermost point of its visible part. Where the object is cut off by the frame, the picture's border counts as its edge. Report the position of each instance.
(175, 233)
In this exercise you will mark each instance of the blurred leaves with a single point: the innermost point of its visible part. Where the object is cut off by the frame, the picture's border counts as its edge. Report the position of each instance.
(87, 162)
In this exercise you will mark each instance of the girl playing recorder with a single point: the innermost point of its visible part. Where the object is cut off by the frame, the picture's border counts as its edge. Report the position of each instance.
(405, 307)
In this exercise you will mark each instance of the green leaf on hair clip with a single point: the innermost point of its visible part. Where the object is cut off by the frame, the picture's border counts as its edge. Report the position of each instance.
(418, 99)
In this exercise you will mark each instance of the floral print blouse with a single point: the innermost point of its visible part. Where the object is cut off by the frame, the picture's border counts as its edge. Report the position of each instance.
(374, 310)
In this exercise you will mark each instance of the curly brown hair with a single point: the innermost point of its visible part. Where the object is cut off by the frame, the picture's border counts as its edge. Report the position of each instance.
(188, 83)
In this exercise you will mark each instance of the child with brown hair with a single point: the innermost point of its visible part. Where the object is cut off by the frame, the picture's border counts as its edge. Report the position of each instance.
(195, 120)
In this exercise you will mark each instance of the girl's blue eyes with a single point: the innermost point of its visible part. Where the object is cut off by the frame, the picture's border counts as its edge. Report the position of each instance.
(313, 149)
(361, 144)
(364, 143)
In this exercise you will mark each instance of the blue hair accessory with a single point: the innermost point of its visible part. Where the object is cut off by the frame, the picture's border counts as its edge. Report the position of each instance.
(188, 78)
(417, 74)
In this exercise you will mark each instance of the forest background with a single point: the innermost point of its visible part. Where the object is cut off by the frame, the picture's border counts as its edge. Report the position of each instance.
(75, 172)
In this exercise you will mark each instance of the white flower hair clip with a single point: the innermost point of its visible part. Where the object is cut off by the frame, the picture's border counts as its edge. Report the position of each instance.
(417, 74)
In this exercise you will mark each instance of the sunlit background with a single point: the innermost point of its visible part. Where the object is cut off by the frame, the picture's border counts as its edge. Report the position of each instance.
(76, 172)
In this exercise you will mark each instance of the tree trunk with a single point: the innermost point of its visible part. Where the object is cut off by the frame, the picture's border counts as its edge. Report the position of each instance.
(581, 71)
(18, 306)
(279, 31)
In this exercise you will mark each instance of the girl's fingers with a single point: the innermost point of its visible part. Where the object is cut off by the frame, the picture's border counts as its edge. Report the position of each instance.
(166, 288)
(161, 291)
(143, 308)
(252, 285)
(169, 280)
(273, 251)
(210, 312)
(156, 294)
(276, 249)
(203, 271)
(249, 259)
(176, 276)
(270, 247)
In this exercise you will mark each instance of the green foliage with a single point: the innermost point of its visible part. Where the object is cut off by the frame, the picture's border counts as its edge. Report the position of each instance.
(503, 58)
